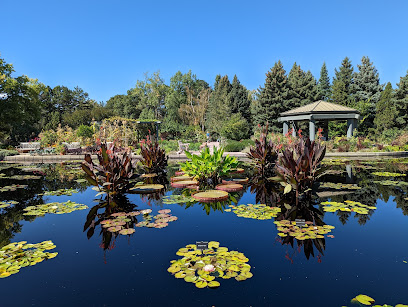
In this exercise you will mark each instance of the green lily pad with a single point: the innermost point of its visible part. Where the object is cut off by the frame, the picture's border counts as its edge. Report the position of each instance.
(257, 212)
(60, 192)
(388, 174)
(127, 231)
(364, 299)
(55, 208)
(347, 206)
(211, 196)
(177, 199)
(147, 188)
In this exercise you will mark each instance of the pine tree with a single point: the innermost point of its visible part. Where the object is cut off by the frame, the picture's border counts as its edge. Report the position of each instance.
(385, 110)
(401, 101)
(302, 87)
(219, 107)
(366, 90)
(272, 98)
(342, 82)
(324, 84)
(240, 101)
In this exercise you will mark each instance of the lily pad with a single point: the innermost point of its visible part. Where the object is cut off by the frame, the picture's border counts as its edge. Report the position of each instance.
(5, 204)
(235, 180)
(347, 206)
(339, 186)
(177, 199)
(127, 231)
(388, 174)
(60, 192)
(181, 178)
(211, 196)
(237, 171)
(55, 208)
(230, 187)
(308, 231)
(12, 187)
(147, 188)
(183, 183)
(364, 299)
(257, 212)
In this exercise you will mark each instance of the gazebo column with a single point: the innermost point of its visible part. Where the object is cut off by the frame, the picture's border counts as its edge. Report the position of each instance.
(312, 129)
(285, 128)
(351, 125)
(293, 129)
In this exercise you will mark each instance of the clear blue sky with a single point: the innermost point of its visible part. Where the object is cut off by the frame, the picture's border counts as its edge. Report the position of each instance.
(105, 46)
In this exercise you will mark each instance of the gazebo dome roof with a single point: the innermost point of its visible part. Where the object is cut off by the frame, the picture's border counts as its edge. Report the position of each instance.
(320, 107)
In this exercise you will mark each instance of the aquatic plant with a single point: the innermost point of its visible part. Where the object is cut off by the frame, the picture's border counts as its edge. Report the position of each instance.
(388, 174)
(60, 192)
(229, 187)
(17, 255)
(264, 155)
(392, 183)
(298, 166)
(12, 187)
(202, 267)
(146, 188)
(22, 177)
(154, 159)
(211, 196)
(177, 199)
(209, 168)
(339, 186)
(113, 173)
(257, 212)
(308, 231)
(55, 208)
(161, 220)
(348, 206)
(7, 203)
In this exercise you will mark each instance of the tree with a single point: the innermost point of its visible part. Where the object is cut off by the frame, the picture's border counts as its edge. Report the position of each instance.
(219, 106)
(342, 83)
(385, 110)
(126, 106)
(324, 84)
(367, 87)
(240, 100)
(401, 102)
(302, 87)
(272, 98)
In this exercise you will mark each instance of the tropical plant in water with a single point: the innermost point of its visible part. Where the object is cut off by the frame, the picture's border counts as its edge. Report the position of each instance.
(264, 155)
(298, 166)
(113, 173)
(154, 159)
(209, 168)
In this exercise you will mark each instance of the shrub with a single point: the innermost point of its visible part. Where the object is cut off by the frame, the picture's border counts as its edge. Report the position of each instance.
(5, 153)
(235, 128)
(154, 159)
(85, 131)
(48, 138)
(234, 146)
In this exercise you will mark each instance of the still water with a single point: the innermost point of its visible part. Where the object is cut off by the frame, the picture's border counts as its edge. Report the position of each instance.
(367, 254)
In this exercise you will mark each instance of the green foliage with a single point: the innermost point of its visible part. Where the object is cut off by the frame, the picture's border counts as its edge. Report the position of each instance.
(113, 173)
(5, 153)
(302, 88)
(209, 168)
(237, 146)
(341, 90)
(240, 100)
(323, 85)
(401, 102)
(235, 127)
(272, 98)
(85, 131)
(385, 110)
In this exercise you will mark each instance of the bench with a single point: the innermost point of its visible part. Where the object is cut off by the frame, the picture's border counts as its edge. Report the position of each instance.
(73, 145)
(28, 146)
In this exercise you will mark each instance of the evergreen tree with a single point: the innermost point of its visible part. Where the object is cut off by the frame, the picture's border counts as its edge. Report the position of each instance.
(272, 98)
(240, 101)
(385, 110)
(401, 101)
(219, 106)
(366, 88)
(302, 87)
(324, 84)
(342, 83)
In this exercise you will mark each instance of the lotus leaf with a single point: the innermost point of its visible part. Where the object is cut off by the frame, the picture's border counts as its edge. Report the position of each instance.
(388, 174)
(203, 267)
(55, 207)
(257, 212)
(16, 255)
(347, 206)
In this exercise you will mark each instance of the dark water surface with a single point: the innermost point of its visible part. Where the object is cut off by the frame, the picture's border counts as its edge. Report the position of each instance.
(365, 256)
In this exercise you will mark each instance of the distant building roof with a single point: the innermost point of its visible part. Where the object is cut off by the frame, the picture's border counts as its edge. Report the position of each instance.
(320, 107)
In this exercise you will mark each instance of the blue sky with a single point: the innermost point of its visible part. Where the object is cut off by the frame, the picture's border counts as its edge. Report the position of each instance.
(105, 46)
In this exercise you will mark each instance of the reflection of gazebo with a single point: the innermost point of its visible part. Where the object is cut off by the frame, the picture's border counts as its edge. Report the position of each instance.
(320, 111)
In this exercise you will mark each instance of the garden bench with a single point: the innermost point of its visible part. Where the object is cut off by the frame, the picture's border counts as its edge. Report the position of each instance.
(28, 146)
(73, 145)
(182, 147)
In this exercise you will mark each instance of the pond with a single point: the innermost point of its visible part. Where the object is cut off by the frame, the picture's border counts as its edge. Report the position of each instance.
(365, 252)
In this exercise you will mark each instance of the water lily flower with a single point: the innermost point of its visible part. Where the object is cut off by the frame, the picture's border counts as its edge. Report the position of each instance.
(209, 268)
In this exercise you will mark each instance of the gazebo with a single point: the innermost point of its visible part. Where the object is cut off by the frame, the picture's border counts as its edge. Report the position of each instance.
(320, 111)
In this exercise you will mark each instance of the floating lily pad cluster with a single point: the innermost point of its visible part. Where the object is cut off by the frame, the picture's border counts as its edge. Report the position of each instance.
(160, 220)
(55, 208)
(177, 199)
(17, 255)
(388, 174)
(348, 206)
(8, 203)
(257, 212)
(203, 267)
(392, 183)
(146, 188)
(22, 177)
(120, 222)
(369, 301)
(339, 186)
(60, 192)
(309, 231)
(12, 187)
